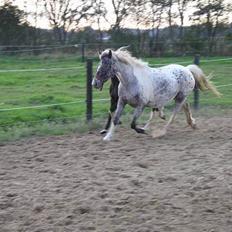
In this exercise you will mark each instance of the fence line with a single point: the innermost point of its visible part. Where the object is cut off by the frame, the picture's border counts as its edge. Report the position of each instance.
(190, 62)
(105, 43)
(51, 105)
(38, 46)
(219, 86)
(42, 69)
(41, 106)
(39, 49)
(81, 67)
(70, 103)
(80, 101)
(67, 103)
(204, 101)
(45, 47)
(215, 60)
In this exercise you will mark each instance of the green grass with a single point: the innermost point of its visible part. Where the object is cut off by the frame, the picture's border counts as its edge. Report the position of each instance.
(22, 89)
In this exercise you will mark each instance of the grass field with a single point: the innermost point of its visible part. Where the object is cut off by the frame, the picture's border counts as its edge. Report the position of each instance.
(22, 89)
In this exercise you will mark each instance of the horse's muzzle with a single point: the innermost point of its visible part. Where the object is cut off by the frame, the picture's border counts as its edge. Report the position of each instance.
(97, 84)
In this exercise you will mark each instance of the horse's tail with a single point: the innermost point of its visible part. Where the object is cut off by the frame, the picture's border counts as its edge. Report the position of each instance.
(202, 81)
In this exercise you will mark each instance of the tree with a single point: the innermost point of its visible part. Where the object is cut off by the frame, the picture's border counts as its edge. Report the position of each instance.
(210, 13)
(169, 5)
(100, 14)
(137, 13)
(65, 15)
(182, 7)
(13, 24)
(156, 8)
(121, 11)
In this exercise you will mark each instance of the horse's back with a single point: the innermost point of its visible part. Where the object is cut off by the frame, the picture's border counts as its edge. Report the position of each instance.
(169, 81)
(180, 75)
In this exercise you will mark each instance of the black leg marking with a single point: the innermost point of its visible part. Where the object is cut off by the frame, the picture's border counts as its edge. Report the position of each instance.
(155, 109)
(120, 106)
(113, 104)
(137, 129)
(138, 111)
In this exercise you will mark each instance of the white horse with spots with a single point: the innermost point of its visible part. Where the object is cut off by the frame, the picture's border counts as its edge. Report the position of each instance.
(142, 86)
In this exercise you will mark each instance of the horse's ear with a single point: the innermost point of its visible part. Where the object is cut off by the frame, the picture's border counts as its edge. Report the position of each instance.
(110, 54)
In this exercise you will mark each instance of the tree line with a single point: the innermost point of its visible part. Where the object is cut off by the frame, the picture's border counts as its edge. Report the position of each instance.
(156, 23)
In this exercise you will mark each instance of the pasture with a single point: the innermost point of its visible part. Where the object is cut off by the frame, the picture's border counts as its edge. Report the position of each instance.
(135, 183)
(54, 86)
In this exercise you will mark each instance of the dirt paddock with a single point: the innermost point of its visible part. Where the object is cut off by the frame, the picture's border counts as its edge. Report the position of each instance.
(182, 182)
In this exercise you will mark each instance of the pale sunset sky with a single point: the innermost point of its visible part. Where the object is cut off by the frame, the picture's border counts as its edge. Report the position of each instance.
(29, 6)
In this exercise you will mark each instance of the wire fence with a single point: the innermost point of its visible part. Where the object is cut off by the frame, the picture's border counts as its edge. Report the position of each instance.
(220, 46)
(71, 103)
(42, 69)
(77, 101)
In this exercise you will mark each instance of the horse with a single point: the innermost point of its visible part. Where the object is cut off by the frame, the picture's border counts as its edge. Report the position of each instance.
(142, 86)
(113, 91)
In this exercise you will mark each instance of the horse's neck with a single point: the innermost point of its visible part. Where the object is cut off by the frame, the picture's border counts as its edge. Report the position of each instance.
(125, 74)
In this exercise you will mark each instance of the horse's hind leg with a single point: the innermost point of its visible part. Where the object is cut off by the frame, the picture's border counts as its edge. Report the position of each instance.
(146, 127)
(180, 100)
(188, 114)
(138, 111)
(161, 113)
(152, 115)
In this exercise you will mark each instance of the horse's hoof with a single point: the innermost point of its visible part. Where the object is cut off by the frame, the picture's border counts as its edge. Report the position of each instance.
(163, 117)
(102, 132)
(107, 138)
(194, 126)
(145, 129)
(140, 131)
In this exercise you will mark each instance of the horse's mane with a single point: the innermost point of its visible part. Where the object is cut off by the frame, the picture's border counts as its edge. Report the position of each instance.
(125, 57)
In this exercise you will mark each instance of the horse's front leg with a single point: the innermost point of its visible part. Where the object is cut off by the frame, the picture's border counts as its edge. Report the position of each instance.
(137, 113)
(120, 106)
(113, 107)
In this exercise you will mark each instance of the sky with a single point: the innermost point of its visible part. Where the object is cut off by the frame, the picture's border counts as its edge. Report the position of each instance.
(29, 6)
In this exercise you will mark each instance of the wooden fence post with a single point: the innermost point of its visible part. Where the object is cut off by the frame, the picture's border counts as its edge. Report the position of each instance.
(196, 89)
(89, 105)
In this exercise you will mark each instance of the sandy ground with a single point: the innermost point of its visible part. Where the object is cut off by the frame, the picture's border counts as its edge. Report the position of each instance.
(182, 182)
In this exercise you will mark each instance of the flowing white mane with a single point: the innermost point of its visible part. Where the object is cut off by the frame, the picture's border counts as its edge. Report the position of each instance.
(125, 57)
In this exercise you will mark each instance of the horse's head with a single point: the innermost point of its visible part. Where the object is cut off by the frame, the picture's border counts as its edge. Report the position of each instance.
(105, 70)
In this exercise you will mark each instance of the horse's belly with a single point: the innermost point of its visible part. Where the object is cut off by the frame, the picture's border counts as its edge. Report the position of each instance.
(147, 92)
(164, 91)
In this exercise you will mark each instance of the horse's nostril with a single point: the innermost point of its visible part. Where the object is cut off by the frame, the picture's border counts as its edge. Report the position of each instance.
(94, 83)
